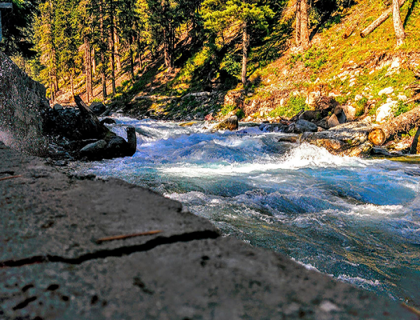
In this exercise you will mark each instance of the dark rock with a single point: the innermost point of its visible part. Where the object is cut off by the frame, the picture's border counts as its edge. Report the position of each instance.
(311, 115)
(230, 123)
(325, 105)
(108, 121)
(273, 127)
(302, 126)
(111, 147)
(57, 107)
(97, 108)
(384, 152)
(340, 114)
(333, 121)
(72, 124)
(94, 151)
(291, 139)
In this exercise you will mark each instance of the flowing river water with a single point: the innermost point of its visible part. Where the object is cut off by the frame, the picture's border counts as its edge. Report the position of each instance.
(356, 220)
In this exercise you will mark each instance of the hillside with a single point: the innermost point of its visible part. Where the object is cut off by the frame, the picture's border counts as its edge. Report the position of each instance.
(352, 69)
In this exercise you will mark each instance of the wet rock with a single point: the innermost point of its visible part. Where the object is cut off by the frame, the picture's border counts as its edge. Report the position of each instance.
(230, 123)
(325, 105)
(302, 126)
(111, 147)
(97, 108)
(108, 121)
(273, 127)
(311, 115)
(94, 150)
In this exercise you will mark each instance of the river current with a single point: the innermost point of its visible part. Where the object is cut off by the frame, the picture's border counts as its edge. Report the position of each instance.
(356, 220)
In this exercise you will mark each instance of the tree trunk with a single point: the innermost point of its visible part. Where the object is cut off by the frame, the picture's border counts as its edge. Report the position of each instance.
(131, 60)
(71, 83)
(398, 26)
(245, 42)
(304, 30)
(102, 49)
(382, 18)
(403, 123)
(93, 61)
(112, 27)
(298, 22)
(88, 60)
(117, 50)
(139, 48)
(167, 49)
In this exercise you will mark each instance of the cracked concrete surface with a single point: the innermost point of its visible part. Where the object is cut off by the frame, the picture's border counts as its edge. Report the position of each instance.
(52, 268)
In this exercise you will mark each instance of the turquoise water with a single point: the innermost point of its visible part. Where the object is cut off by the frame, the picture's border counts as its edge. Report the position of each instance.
(356, 220)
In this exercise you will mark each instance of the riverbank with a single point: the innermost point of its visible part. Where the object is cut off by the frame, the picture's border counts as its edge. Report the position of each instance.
(52, 266)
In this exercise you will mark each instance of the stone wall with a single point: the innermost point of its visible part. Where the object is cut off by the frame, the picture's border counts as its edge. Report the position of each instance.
(22, 101)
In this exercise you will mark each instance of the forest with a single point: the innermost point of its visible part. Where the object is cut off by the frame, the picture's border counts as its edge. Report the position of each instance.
(57, 42)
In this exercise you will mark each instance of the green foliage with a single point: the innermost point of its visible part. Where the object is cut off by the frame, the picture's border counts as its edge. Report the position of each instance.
(231, 64)
(227, 109)
(292, 107)
(240, 114)
(17, 28)
(402, 107)
(360, 106)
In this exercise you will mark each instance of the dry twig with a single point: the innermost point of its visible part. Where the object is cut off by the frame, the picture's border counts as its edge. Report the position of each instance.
(12, 177)
(126, 236)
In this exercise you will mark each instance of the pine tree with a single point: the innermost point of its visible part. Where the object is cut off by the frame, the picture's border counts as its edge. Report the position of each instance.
(252, 14)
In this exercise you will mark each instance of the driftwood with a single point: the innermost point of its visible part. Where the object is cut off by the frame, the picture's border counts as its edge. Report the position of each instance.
(349, 139)
(403, 123)
(126, 236)
(382, 18)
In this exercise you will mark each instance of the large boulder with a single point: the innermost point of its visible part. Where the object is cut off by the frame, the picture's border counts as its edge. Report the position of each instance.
(97, 108)
(302, 126)
(22, 102)
(325, 105)
(72, 124)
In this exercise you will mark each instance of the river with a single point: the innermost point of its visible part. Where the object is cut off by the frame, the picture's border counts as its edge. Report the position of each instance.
(356, 220)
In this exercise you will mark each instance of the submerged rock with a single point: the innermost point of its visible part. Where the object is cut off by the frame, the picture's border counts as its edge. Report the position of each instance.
(302, 126)
(230, 123)
(111, 147)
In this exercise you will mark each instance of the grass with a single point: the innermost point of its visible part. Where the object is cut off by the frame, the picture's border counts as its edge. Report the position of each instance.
(292, 107)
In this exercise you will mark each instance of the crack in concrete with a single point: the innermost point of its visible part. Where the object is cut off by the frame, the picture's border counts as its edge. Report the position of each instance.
(117, 252)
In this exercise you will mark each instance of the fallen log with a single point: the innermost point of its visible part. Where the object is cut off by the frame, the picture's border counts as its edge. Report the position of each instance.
(349, 139)
(403, 123)
(382, 18)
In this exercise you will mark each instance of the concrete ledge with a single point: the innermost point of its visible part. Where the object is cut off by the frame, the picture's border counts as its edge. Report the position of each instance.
(51, 266)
